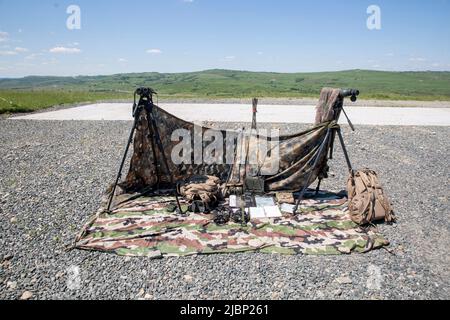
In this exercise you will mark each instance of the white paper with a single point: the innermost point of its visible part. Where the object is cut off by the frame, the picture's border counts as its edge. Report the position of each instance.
(272, 212)
(264, 201)
(233, 201)
(288, 208)
(257, 213)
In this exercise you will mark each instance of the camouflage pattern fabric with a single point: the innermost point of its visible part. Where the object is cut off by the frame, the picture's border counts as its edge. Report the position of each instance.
(294, 164)
(296, 158)
(330, 100)
(147, 161)
(147, 227)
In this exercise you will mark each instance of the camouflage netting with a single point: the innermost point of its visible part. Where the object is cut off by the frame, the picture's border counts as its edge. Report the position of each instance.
(146, 227)
(293, 166)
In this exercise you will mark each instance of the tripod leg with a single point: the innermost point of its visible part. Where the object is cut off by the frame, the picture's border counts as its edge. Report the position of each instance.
(119, 175)
(316, 162)
(318, 187)
(151, 122)
(333, 137)
(347, 158)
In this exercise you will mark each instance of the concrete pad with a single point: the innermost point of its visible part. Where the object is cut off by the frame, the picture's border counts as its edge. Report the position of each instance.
(266, 113)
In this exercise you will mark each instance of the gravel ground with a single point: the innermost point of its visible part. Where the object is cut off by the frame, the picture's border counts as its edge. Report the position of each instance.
(52, 176)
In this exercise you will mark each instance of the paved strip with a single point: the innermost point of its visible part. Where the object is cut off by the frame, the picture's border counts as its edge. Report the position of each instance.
(266, 114)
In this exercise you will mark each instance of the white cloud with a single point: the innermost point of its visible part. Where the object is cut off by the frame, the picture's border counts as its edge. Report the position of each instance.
(390, 54)
(417, 59)
(436, 64)
(260, 53)
(154, 51)
(52, 61)
(20, 49)
(230, 58)
(3, 36)
(24, 65)
(188, 1)
(33, 56)
(8, 53)
(65, 50)
(122, 60)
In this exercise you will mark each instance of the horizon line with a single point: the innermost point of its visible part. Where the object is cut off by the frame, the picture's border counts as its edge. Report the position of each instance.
(220, 69)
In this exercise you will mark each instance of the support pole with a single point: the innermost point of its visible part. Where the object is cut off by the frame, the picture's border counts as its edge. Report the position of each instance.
(249, 167)
(255, 111)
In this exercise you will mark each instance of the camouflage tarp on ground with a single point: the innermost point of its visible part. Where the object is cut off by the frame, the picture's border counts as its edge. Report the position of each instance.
(145, 227)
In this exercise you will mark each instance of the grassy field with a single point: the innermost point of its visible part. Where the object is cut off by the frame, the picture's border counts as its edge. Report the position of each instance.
(12, 101)
(32, 93)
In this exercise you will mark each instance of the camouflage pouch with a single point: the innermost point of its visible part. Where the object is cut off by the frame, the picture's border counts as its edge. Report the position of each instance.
(254, 184)
(367, 200)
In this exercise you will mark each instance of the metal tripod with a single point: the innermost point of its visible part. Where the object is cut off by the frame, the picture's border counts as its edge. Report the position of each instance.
(146, 104)
(328, 142)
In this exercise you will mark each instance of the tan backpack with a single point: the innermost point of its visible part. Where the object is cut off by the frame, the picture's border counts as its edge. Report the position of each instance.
(367, 200)
(204, 189)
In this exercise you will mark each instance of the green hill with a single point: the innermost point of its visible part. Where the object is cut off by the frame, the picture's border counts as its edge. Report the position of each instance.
(35, 92)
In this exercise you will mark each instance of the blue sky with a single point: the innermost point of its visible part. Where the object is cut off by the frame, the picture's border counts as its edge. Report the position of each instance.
(190, 35)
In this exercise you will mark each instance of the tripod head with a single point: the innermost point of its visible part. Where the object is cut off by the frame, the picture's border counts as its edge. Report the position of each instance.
(145, 98)
(145, 92)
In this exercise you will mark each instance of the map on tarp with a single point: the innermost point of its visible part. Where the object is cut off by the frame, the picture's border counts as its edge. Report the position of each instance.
(148, 226)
